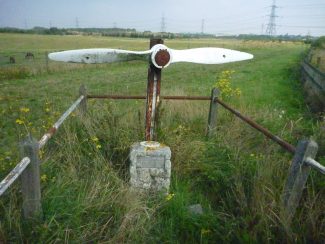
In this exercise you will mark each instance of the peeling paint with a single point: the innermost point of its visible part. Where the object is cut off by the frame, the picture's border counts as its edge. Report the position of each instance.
(13, 175)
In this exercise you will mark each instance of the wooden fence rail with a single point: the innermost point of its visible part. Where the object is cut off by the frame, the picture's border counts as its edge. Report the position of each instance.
(317, 76)
(313, 82)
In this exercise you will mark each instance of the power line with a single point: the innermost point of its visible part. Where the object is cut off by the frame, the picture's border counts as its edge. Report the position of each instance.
(271, 26)
(202, 26)
(299, 26)
(77, 23)
(262, 32)
(163, 24)
(305, 5)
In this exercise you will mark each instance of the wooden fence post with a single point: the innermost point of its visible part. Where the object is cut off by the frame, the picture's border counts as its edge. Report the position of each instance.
(297, 177)
(83, 103)
(30, 180)
(212, 120)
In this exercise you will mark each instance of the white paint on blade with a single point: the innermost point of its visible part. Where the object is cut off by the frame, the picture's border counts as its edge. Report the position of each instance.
(209, 55)
(97, 55)
(205, 55)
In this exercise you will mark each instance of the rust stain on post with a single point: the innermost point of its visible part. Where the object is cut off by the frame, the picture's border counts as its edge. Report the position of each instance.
(153, 93)
(52, 130)
(162, 57)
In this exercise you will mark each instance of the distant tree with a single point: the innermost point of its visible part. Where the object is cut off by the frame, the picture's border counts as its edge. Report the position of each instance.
(319, 43)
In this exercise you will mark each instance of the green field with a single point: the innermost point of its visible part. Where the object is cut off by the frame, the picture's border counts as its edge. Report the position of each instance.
(238, 175)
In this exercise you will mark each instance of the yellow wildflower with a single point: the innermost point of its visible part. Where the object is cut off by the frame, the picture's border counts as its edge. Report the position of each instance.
(98, 146)
(237, 91)
(94, 139)
(170, 196)
(224, 84)
(19, 121)
(47, 109)
(205, 231)
(24, 109)
(41, 153)
(44, 178)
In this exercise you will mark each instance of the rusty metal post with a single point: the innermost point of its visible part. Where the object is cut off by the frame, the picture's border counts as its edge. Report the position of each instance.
(297, 177)
(212, 120)
(30, 180)
(153, 94)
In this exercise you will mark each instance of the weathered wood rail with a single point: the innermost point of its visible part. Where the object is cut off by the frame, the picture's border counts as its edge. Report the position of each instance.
(313, 82)
(29, 166)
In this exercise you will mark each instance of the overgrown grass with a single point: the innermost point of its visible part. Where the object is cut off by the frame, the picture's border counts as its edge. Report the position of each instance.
(237, 176)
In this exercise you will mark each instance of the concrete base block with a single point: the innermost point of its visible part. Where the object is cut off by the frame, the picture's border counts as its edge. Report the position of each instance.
(150, 167)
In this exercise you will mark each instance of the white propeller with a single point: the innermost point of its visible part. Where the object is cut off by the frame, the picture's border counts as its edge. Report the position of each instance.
(161, 56)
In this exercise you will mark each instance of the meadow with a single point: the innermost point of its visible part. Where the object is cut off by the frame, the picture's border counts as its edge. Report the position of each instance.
(237, 175)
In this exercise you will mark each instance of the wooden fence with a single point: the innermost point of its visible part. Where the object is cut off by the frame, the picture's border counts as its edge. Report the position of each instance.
(313, 82)
(29, 167)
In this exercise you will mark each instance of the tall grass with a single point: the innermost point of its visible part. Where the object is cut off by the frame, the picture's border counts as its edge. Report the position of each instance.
(237, 175)
(86, 197)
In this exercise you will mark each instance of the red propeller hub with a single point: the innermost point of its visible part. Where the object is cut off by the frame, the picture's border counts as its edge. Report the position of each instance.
(160, 56)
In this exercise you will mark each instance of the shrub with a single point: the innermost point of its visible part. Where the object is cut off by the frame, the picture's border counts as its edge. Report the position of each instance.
(319, 43)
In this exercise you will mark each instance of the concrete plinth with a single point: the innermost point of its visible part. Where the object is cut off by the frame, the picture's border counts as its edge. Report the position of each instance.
(150, 167)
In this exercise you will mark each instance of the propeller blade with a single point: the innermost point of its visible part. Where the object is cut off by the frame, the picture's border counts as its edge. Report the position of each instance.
(161, 56)
(208, 55)
(98, 55)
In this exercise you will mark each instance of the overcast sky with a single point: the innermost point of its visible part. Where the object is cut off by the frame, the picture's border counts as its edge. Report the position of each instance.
(220, 16)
